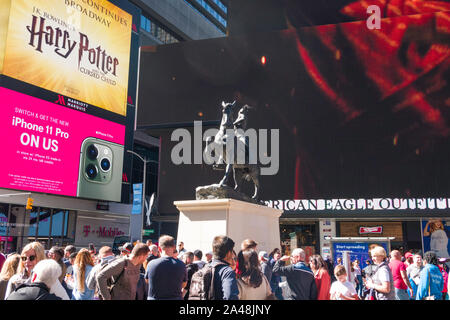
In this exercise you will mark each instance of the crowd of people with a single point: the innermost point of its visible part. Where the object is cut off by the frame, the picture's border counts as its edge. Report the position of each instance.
(167, 271)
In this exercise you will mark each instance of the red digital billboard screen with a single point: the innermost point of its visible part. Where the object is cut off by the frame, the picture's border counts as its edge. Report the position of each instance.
(361, 113)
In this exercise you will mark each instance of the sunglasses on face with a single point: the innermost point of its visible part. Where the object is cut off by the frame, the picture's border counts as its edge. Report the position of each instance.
(25, 258)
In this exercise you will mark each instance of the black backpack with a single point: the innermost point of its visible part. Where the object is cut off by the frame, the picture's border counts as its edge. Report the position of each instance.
(202, 284)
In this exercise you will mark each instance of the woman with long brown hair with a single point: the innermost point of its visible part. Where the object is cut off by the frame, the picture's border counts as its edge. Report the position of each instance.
(321, 276)
(81, 268)
(252, 283)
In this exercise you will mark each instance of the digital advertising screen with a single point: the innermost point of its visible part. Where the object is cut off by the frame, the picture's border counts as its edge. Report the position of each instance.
(63, 91)
(435, 233)
(357, 251)
(355, 117)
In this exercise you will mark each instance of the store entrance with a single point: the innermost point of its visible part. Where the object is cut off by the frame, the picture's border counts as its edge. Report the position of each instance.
(300, 234)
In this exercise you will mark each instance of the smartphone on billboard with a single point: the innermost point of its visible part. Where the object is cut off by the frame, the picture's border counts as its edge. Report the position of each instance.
(100, 173)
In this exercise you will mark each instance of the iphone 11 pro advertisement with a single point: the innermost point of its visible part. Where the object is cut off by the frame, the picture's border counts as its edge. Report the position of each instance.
(64, 75)
(53, 149)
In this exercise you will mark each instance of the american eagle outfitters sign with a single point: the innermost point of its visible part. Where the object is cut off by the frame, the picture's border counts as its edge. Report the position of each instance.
(373, 204)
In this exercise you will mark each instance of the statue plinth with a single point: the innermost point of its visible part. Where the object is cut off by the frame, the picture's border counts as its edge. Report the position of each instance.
(202, 220)
(216, 191)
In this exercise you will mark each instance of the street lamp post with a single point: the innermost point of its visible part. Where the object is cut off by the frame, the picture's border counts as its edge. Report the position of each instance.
(143, 193)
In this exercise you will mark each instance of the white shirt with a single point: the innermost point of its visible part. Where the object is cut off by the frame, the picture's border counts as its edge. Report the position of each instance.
(181, 253)
(346, 288)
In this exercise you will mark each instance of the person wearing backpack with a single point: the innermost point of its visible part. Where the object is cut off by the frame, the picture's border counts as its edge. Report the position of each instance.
(381, 281)
(217, 280)
(167, 276)
(191, 268)
(105, 255)
(123, 275)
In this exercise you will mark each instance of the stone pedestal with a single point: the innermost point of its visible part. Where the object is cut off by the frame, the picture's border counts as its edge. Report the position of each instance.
(201, 220)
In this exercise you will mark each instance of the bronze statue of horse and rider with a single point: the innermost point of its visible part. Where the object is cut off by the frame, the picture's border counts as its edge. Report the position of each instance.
(232, 146)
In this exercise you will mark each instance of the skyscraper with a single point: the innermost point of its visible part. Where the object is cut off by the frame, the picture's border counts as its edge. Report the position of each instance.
(171, 21)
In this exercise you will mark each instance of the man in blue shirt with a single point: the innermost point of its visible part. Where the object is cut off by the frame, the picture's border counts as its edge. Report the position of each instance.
(225, 283)
(166, 276)
(431, 280)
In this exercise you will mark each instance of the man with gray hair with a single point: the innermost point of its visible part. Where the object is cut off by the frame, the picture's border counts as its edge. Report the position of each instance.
(45, 275)
(154, 253)
(299, 276)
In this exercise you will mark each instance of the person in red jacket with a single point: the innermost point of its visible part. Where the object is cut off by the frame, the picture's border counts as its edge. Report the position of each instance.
(321, 275)
(445, 276)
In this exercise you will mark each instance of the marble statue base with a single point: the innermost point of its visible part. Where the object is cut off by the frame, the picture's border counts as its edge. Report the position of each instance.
(201, 220)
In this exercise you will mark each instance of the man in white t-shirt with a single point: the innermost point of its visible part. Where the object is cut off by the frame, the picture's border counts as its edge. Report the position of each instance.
(342, 289)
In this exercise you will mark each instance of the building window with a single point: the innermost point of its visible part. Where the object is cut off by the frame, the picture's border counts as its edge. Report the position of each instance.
(220, 5)
(220, 20)
(157, 30)
(213, 12)
(50, 227)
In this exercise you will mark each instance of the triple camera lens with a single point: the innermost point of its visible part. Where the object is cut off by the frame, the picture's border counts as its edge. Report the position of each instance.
(105, 164)
(91, 171)
(92, 152)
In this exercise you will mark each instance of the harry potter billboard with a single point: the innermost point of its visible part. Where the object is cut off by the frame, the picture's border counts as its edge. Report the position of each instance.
(77, 48)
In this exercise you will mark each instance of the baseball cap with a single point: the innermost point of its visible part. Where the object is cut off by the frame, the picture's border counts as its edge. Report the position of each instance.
(263, 254)
(408, 254)
(126, 247)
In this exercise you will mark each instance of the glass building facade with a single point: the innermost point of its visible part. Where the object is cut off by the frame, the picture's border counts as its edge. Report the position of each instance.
(51, 227)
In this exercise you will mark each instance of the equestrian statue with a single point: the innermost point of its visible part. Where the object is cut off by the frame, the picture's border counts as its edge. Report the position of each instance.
(230, 146)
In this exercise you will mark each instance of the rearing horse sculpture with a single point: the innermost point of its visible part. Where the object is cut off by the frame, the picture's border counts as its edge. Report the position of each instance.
(236, 171)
